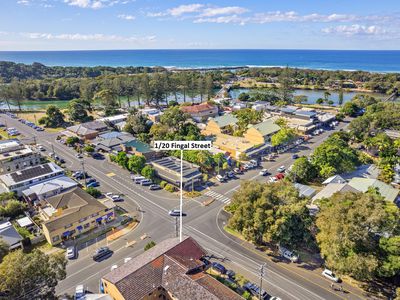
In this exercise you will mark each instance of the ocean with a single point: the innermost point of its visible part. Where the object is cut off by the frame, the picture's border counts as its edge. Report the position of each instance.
(374, 61)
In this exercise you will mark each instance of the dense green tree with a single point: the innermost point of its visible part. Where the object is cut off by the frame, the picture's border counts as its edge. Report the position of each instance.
(93, 192)
(271, 213)
(351, 227)
(334, 156)
(283, 136)
(77, 111)
(137, 123)
(303, 171)
(107, 98)
(136, 163)
(174, 118)
(148, 172)
(286, 89)
(350, 109)
(33, 275)
(72, 140)
(54, 117)
(4, 248)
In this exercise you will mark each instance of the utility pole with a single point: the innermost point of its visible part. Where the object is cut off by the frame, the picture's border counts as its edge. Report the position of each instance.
(84, 173)
(261, 277)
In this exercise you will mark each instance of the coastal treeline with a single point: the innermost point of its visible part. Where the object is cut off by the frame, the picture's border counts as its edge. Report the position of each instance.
(307, 78)
(144, 88)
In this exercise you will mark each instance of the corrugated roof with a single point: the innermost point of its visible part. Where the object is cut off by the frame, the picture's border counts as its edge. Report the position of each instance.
(267, 127)
(225, 120)
(332, 188)
(305, 190)
(363, 184)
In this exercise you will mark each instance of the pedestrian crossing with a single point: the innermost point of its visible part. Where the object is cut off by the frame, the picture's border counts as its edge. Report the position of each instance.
(218, 197)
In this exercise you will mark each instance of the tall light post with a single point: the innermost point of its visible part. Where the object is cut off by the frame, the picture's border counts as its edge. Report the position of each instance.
(182, 146)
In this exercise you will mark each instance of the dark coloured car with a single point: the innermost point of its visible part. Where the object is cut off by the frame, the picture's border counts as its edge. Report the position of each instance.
(176, 213)
(90, 180)
(230, 274)
(295, 156)
(96, 155)
(218, 267)
(154, 187)
(102, 253)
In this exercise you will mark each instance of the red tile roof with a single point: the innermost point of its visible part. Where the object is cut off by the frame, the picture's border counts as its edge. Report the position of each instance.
(197, 108)
(169, 265)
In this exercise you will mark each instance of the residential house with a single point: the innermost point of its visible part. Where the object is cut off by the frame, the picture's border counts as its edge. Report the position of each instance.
(169, 169)
(23, 179)
(363, 184)
(201, 112)
(70, 214)
(10, 235)
(153, 114)
(333, 188)
(88, 130)
(48, 189)
(171, 270)
(16, 156)
(221, 124)
(137, 147)
(261, 133)
(112, 141)
(334, 179)
(305, 191)
(112, 120)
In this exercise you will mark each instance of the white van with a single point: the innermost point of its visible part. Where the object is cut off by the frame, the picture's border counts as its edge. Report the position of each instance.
(139, 179)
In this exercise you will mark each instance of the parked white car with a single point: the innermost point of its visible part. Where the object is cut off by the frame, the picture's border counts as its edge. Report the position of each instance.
(281, 169)
(290, 255)
(330, 275)
(220, 178)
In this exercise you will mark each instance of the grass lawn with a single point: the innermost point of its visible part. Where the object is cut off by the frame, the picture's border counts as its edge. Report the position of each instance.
(233, 232)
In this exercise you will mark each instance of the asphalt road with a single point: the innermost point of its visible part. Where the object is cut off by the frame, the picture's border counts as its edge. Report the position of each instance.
(204, 224)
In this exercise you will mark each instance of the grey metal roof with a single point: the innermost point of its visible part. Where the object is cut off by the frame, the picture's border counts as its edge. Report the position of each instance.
(305, 190)
(225, 120)
(30, 173)
(9, 234)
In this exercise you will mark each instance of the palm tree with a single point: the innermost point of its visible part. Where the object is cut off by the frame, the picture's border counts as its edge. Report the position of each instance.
(326, 96)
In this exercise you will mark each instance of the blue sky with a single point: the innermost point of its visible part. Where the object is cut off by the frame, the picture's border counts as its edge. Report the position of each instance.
(165, 24)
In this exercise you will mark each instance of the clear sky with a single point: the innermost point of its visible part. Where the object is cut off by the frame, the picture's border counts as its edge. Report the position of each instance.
(185, 24)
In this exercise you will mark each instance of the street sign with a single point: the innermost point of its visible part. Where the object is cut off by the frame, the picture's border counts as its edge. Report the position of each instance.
(182, 145)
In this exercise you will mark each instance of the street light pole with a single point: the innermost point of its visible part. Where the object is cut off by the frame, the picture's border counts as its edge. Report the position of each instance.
(261, 277)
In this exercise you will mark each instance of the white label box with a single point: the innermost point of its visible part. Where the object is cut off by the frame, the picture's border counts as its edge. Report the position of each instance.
(182, 145)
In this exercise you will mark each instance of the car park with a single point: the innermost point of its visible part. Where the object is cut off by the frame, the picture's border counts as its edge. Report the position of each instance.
(154, 187)
(71, 252)
(80, 292)
(264, 172)
(101, 253)
(176, 213)
(218, 267)
(330, 275)
(281, 169)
